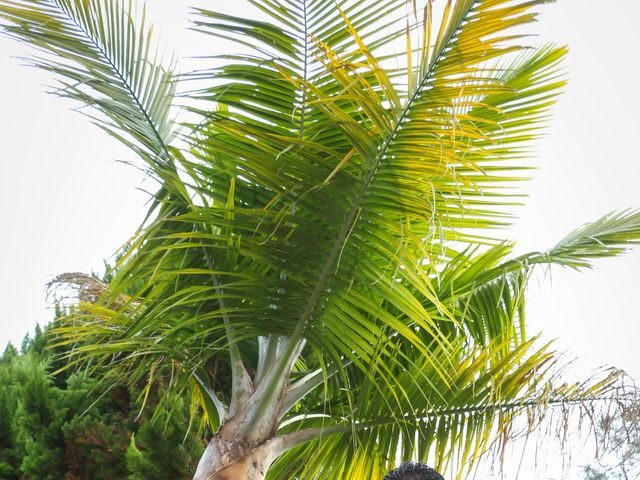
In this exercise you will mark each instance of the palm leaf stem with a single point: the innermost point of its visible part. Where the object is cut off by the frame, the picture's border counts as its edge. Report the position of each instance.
(305, 385)
(267, 354)
(303, 106)
(240, 380)
(210, 396)
(290, 440)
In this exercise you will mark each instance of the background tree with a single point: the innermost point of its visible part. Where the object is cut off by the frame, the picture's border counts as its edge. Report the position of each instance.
(320, 265)
(40, 415)
(165, 447)
(621, 459)
(72, 426)
(9, 454)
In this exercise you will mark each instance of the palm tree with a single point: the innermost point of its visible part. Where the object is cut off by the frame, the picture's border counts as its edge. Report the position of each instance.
(321, 264)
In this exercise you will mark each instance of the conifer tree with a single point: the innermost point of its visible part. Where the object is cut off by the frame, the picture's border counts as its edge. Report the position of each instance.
(165, 446)
(9, 457)
(39, 418)
(72, 426)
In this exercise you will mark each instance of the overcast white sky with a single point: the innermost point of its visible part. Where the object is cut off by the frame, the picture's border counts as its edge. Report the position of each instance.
(65, 203)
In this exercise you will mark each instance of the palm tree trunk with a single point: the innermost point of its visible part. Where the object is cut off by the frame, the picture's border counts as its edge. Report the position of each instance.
(233, 459)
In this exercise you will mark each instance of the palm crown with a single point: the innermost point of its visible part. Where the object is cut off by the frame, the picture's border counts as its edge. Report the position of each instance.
(324, 226)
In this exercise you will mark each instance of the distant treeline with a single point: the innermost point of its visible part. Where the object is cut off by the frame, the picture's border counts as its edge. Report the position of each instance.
(70, 426)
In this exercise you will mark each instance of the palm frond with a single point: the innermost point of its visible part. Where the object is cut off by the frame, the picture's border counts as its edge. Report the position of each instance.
(488, 403)
(327, 154)
(104, 58)
(611, 235)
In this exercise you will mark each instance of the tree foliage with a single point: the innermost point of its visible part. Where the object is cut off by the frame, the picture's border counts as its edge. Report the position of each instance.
(621, 455)
(323, 265)
(67, 426)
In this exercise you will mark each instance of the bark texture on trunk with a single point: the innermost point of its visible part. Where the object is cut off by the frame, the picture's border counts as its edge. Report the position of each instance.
(233, 459)
(246, 443)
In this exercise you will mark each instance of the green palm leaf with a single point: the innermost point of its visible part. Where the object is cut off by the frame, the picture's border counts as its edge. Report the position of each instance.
(102, 58)
(324, 272)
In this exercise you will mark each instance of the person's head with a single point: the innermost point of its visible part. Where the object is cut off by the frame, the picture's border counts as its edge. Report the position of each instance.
(413, 471)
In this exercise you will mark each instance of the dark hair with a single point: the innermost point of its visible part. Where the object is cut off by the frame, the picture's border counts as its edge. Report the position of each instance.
(413, 471)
